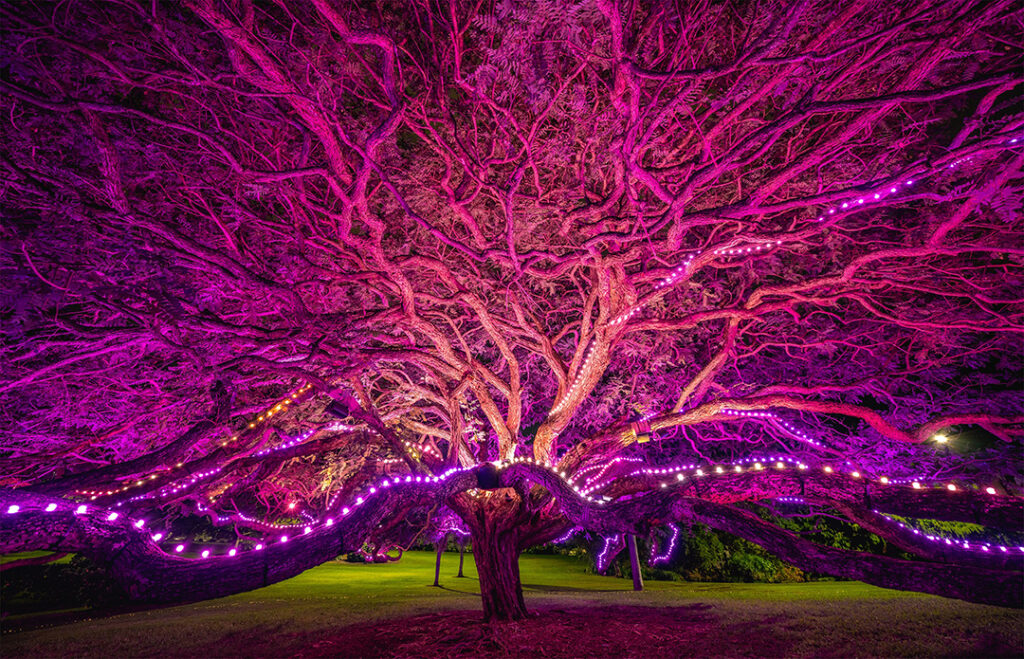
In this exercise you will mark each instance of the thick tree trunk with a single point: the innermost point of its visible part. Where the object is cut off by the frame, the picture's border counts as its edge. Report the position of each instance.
(497, 563)
(462, 556)
(634, 563)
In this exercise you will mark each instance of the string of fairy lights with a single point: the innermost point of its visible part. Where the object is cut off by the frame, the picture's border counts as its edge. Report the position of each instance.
(280, 406)
(753, 247)
(959, 543)
(670, 549)
(677, 475)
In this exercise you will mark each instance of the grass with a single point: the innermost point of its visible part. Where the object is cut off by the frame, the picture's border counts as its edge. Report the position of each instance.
(305, 613)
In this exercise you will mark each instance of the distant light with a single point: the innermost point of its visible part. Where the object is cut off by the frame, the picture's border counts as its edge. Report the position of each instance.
(951, 487)
(140, 523)
(52, 507)
(111, 517)
(917, 486)
(291, 506)
(306, 530)
(855, 474)
(828, 470)
(232, 552)
(80, 510)
(284, 538)
(157, 536)
(259, 547)
(941, 439)
(13, 509)
(179, 548)
(206, 553)
(990, 490)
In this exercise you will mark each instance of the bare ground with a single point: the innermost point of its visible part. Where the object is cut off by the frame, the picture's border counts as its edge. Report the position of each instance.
(610, 631)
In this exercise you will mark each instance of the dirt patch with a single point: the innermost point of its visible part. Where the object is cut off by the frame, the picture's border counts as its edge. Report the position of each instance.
(619, 631)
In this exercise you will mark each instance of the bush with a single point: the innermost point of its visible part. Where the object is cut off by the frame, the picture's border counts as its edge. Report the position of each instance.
(741, 566)
(76, 584)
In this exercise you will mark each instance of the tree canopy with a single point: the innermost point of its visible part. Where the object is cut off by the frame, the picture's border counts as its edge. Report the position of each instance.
(647, 260)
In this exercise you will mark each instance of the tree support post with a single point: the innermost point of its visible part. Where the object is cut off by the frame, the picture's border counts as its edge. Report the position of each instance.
(634, 563)
(437, 565)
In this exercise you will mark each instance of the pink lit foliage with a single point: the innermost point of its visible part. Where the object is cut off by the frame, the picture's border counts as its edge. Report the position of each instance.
(260, 259)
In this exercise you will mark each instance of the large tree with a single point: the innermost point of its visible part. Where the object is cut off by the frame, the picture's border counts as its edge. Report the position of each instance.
(512, 267)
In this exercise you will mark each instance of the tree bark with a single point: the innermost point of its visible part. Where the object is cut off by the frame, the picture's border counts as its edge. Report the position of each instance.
(497, 563)
(634, 563)
(462, 556)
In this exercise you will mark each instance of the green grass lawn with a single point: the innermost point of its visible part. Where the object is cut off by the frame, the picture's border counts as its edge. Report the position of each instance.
(818, 618)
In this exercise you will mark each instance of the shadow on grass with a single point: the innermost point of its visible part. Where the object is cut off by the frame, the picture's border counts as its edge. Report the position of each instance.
(569, 589)
(455, 590)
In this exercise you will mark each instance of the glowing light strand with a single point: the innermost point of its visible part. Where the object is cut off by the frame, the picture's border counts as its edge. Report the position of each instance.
(669, 549)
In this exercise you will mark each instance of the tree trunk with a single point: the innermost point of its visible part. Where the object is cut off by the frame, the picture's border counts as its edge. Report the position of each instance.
(634, 563)
(462, 555)
(497, 563)
(437, 565)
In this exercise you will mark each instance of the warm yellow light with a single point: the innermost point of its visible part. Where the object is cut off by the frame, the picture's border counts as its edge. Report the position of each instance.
(941, 439)
(990, 490)
(951, 487)
(885, 480)
(828, 470)
(917, 486)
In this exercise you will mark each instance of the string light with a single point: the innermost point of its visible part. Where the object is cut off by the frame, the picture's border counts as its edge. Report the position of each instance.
(752, 248)
(952, 542)
(781, 462)
(664, 558)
